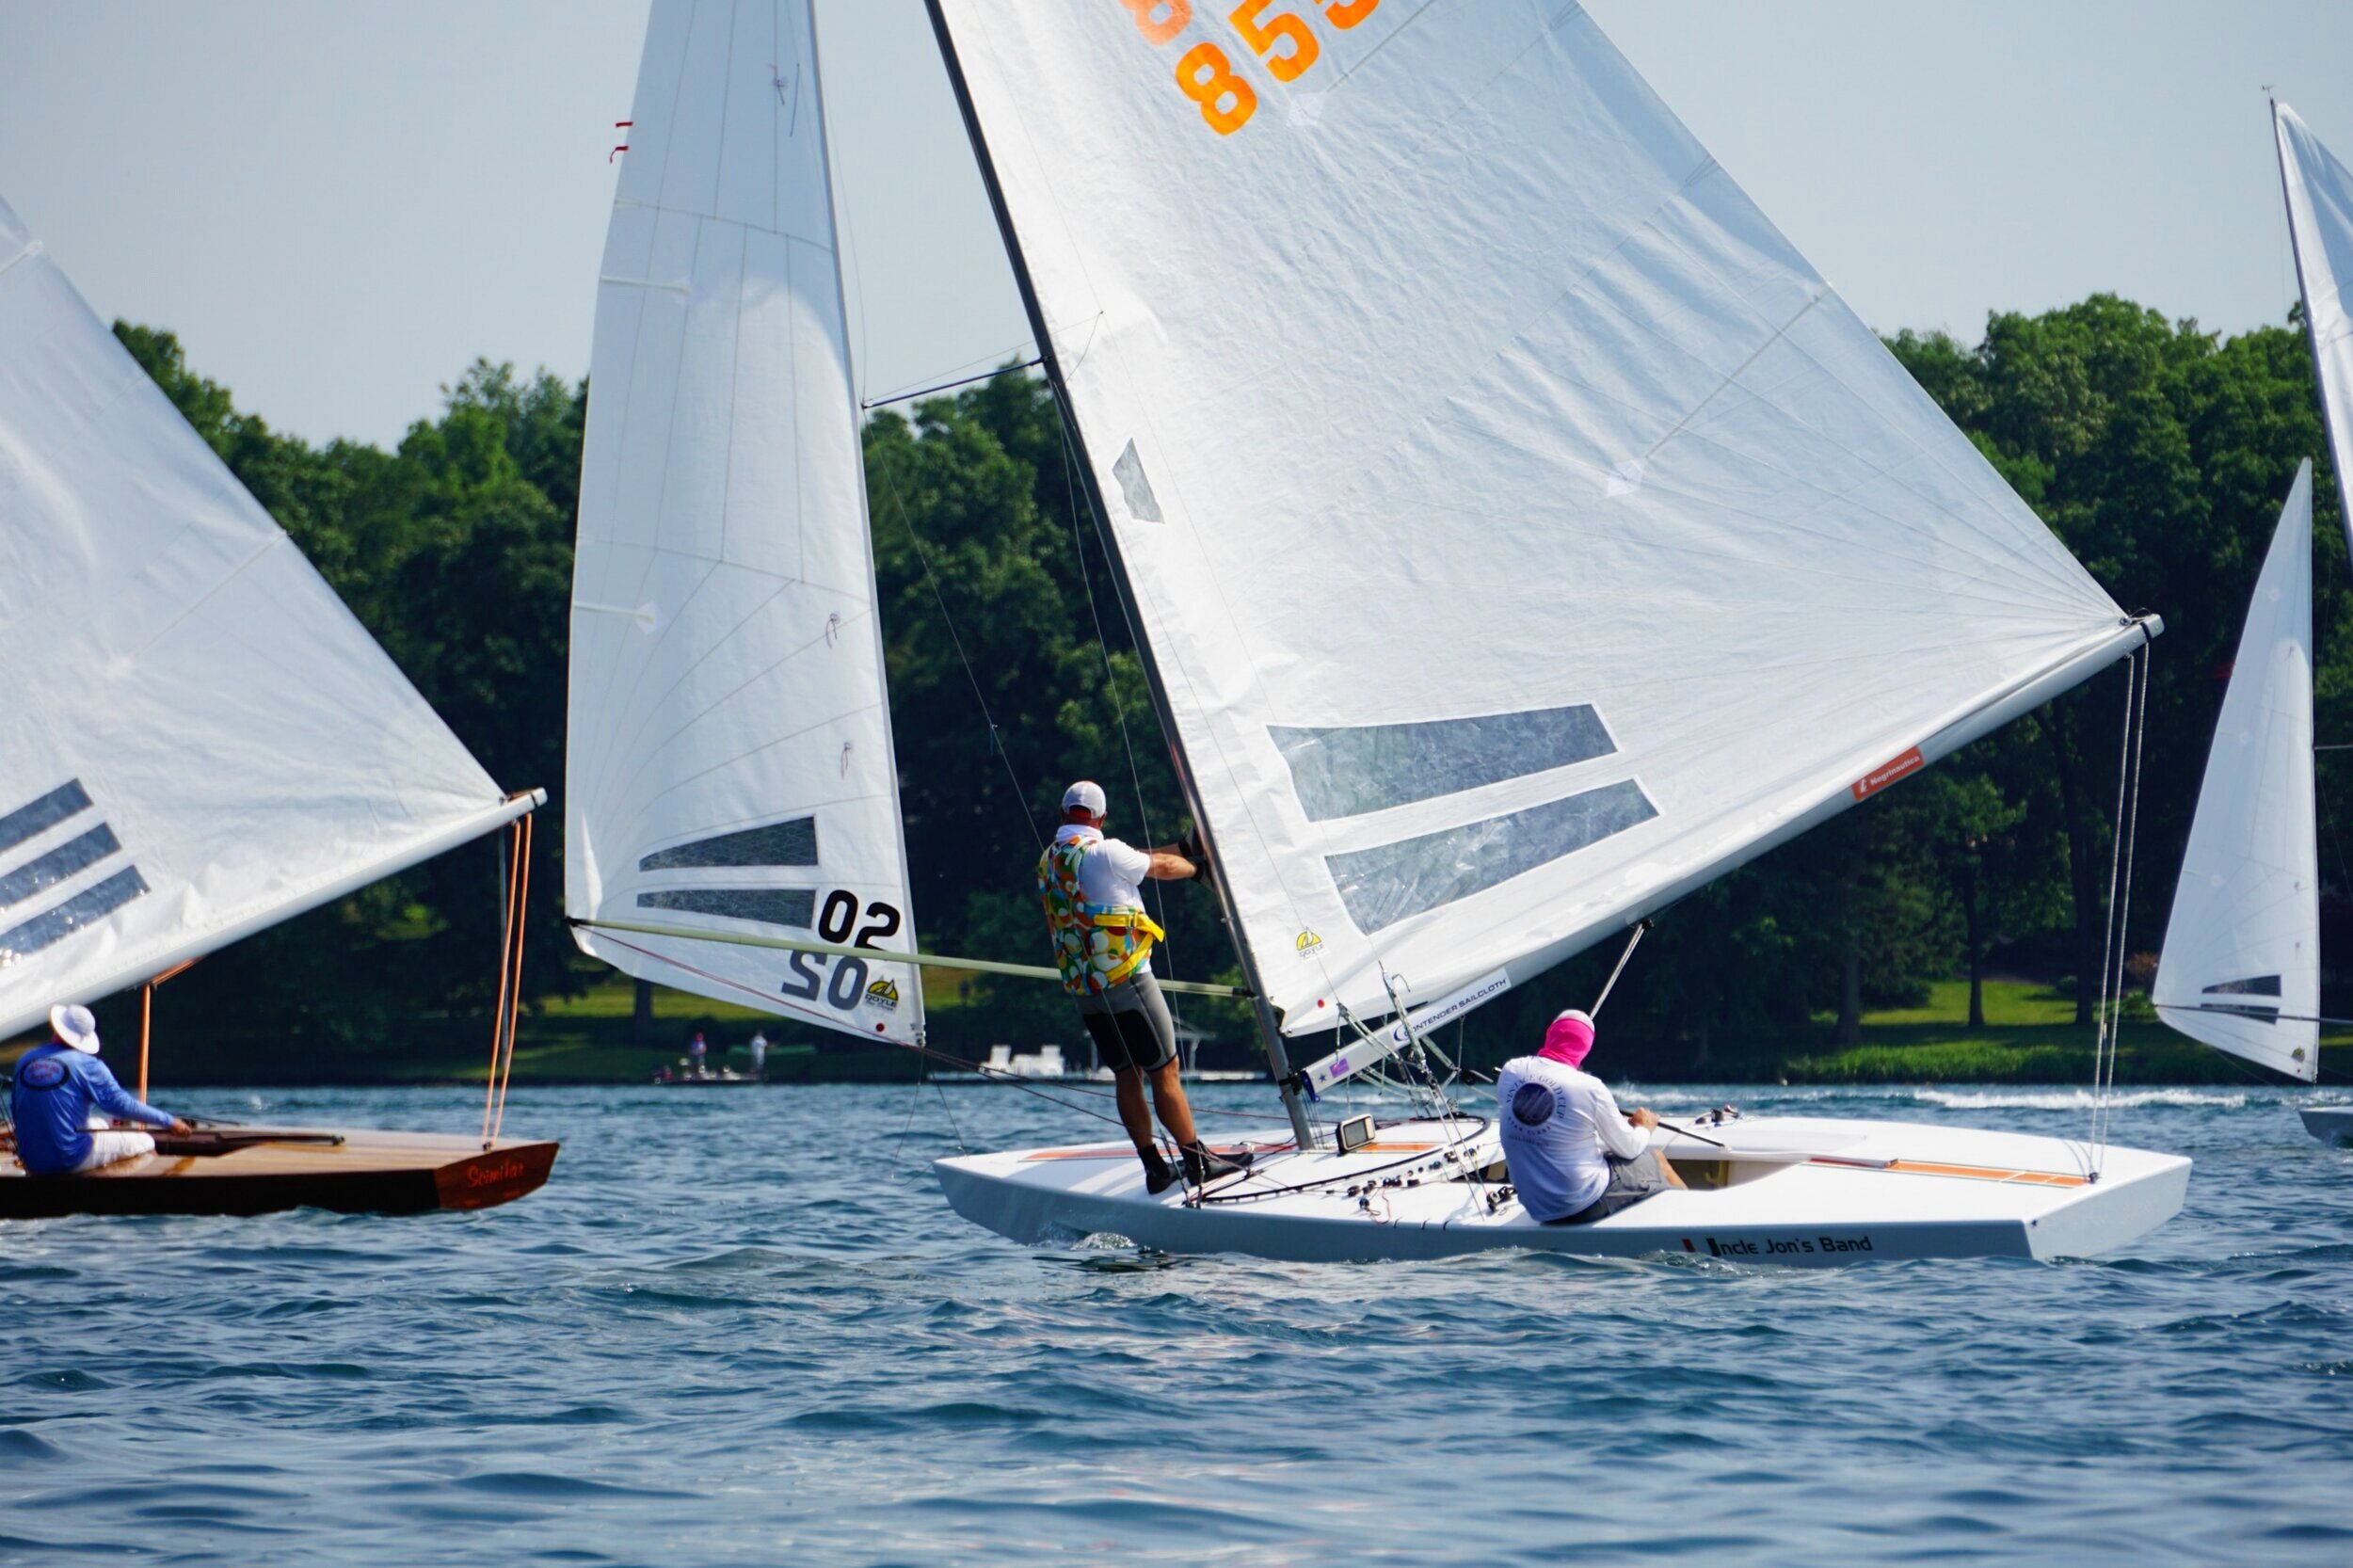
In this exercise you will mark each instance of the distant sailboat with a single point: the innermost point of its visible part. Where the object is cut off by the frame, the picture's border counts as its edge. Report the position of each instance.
(200, 742)
(1521, 534)
(2319, 194)
(2240, 969)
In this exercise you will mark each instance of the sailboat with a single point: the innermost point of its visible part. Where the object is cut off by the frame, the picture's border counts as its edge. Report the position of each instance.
(200, 741)
(1520, 534)
(2240, 969)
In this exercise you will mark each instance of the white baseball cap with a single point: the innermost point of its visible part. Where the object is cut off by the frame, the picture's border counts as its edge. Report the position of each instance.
(1088, 795)
(76, 1026)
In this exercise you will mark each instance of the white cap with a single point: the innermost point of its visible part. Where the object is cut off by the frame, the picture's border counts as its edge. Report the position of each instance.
(1578, 1013)
(1089, 794)
(76, 1026)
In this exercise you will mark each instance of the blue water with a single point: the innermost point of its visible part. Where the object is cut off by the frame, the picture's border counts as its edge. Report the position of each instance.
(744, 1327)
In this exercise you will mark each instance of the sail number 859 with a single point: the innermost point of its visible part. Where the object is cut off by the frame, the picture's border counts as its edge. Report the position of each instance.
(841, 980)
(1285, 41)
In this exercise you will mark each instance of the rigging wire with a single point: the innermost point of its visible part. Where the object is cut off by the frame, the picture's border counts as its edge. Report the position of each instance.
(1021, 796)
(2108, 1017)
(1110, 676)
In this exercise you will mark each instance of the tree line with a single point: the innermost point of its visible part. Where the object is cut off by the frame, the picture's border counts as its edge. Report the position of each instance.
(2158, 452)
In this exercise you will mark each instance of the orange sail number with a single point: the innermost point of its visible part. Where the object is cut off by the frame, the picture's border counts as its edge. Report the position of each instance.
(1285, 42)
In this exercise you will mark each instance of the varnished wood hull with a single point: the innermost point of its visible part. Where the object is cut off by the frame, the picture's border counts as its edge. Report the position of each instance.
(247, 1171)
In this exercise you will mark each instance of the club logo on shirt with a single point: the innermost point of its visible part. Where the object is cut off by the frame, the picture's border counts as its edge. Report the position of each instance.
(882, 993)
(1532, 1106)
(47, 1073)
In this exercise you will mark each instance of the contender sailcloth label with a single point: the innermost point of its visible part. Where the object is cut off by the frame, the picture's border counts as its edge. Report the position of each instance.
(1881, 777)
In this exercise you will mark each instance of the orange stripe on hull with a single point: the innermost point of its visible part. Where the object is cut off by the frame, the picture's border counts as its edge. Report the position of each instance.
(1965, 1172)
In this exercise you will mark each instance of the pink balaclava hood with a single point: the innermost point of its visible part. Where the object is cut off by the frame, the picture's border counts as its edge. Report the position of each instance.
(1569, 1039)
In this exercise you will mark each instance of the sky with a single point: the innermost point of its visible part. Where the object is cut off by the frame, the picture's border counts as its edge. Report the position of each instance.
(340, 204)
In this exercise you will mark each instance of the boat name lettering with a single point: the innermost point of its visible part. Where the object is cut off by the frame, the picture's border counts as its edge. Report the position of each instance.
(1284, 41)
(1788, 1247)
(480, 1174)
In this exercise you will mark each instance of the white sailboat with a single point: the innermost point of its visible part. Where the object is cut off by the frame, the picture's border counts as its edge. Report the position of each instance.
(2240, 969)
(200, 741)
(1521, 534)
(729, 766)
(2319, 195)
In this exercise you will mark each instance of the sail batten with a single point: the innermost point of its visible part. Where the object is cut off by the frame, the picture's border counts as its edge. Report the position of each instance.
(730, 763)
(1454, 381)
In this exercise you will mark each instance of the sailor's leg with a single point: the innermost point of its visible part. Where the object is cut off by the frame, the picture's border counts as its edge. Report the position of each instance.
(1168, 1096)
(1667, 1170)
(1134, 1114)
(108, 1148)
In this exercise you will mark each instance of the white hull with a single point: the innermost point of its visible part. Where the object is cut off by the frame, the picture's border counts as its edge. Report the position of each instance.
(1798, 1190)
(2330, 1124)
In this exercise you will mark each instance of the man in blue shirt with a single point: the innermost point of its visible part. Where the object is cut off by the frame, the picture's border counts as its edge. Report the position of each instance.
(56, 1085)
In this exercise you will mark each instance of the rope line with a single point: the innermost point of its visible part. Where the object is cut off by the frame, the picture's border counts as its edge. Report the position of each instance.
(2108, 1019)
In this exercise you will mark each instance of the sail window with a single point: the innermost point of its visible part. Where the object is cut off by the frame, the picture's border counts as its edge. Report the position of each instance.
(85, 908)
(1345, 770)
(783, 843)
(43, 814)
(1128, 470)
(47, 871)
(788, 906)
(2260, 986)
(1393, 882)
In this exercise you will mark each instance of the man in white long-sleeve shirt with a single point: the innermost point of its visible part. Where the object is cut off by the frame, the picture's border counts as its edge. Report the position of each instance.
(1574, 1155)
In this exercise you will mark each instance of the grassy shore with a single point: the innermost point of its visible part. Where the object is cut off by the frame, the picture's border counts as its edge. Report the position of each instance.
(2030, 1037)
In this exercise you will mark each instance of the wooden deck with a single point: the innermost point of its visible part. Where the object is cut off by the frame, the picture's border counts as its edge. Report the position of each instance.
(237, 1170)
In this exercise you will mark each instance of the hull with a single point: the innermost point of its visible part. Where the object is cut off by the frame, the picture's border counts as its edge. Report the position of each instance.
(2330, 1124)
(260, 1170)
(1805, 1191)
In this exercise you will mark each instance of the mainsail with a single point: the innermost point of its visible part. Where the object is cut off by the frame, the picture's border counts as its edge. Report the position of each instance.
(2241, 965)
(729, 766)
(1523, 533)
(2319, 194)
(198, 739)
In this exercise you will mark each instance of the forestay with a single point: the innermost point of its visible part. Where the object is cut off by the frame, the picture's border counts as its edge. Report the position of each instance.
(199, 738)
(729, 765)
(2320, 220)
(2241, 963)
(1525, 531)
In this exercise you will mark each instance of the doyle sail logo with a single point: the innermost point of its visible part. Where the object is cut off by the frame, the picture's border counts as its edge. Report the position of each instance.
(884, 995)
(1308, 944)
(1888, 772)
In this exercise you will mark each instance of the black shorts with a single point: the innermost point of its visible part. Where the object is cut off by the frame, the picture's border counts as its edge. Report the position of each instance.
(1630, 1182)
(1130, 1026)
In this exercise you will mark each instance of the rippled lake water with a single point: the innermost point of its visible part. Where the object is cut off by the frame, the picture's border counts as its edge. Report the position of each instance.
(744, 1327)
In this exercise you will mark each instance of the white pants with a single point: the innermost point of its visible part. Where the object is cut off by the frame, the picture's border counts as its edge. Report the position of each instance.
(105, 1148)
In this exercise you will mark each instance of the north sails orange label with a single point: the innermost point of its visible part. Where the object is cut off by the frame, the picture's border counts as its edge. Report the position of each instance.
(1882, 777)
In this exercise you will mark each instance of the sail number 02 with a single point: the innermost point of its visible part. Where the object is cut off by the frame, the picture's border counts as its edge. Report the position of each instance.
(836, 922)
(1284, 40)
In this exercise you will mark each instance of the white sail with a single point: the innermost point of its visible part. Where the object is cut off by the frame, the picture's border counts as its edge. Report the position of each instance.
(2241, 965)
(198, 739)
(1525, 531)
(2320, 221)
(730, 764)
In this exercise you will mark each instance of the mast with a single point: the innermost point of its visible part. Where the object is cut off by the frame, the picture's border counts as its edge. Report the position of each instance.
(1278, 1060)
(857, 415)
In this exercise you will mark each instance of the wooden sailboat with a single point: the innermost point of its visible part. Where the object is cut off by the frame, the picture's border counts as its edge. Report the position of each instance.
(1521, 534)
(200, 742)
